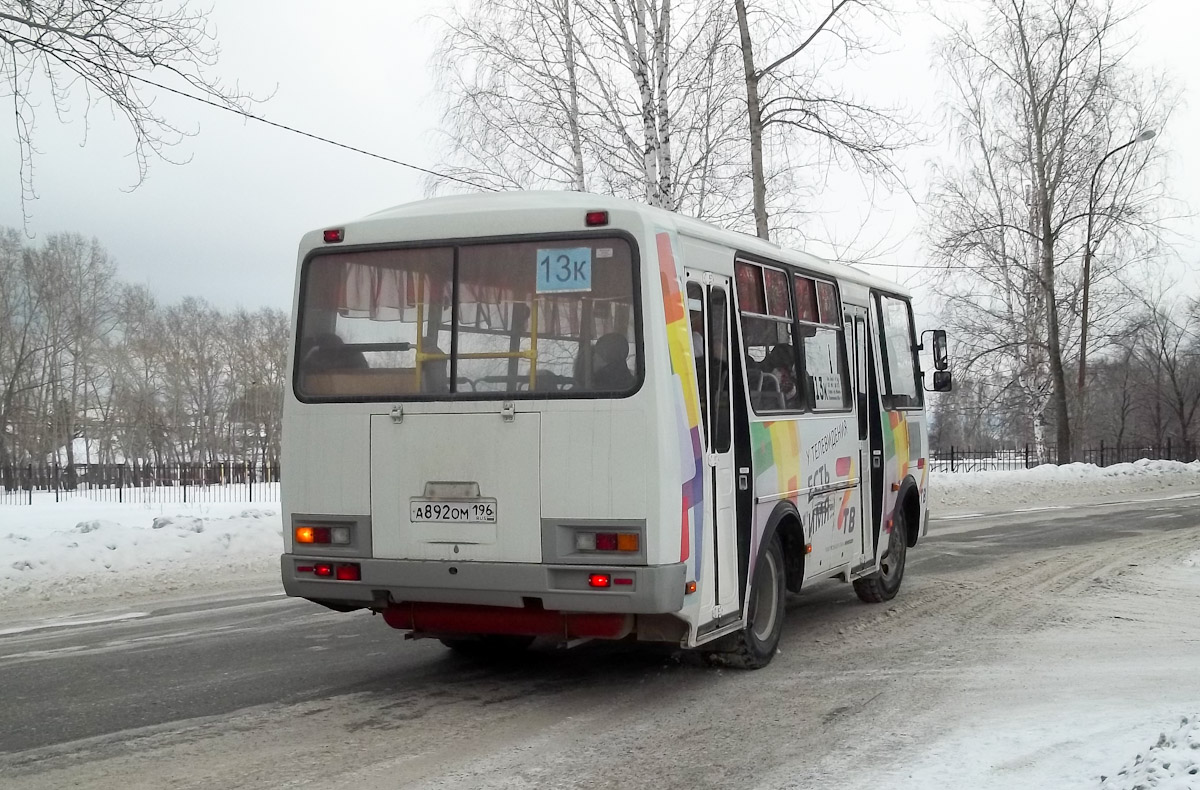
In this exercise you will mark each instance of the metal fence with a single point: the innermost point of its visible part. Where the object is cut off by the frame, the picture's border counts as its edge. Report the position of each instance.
(225, 481)
(968, 459)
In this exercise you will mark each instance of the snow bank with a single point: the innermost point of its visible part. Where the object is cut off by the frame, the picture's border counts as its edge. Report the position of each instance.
(85, 550)
(1051, 483)
(1172, 763)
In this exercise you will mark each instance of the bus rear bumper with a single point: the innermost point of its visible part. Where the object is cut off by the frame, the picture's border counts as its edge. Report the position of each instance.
(654, 589)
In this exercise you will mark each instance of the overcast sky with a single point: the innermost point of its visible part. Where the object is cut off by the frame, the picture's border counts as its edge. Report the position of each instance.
(225, 226)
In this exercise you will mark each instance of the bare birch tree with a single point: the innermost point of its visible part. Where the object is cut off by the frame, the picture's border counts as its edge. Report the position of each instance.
(1042, 95)
(787, 52)
(59, 49)
(633, 98)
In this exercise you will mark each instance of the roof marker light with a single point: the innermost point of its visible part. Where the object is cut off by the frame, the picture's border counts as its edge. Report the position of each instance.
(595, 219)
(335, 235)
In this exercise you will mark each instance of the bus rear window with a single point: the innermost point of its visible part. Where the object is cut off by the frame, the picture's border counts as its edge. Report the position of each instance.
(550, 318)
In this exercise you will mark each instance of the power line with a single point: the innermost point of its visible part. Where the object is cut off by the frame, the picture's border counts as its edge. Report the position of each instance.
(65, 55)
(301, 132)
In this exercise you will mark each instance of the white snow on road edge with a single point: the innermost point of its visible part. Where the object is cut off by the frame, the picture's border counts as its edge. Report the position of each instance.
(1172, 763)
(89, 555)
(1049, 484)
(85, 552)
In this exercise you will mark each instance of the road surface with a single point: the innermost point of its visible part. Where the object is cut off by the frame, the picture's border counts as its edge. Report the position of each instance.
(997, 612)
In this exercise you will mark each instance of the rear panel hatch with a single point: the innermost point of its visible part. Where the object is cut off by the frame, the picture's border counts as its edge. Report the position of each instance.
(461, 487)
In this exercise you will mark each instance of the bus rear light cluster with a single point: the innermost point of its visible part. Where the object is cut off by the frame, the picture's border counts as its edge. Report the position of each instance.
(603, 581)
(341, 571)
(607, 541)
(323, 536)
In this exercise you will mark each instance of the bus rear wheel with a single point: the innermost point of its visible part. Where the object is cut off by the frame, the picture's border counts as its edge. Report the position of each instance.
(489, 646)
(885, 583)
(754, 646)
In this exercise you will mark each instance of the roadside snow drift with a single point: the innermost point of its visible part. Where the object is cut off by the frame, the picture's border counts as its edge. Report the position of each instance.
(81, 548)
(1172, 763)
(1001, 490)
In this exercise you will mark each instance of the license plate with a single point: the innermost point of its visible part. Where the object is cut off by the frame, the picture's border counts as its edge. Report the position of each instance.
(475, 511)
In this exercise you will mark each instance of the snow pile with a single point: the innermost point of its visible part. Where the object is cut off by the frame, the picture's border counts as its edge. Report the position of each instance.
(1049, 482)
(1173, 763)
(81, 548)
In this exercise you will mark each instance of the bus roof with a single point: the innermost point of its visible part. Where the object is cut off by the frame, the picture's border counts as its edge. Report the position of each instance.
(546, 201)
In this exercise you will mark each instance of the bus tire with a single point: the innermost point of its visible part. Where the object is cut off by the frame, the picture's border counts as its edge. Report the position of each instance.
(489, 646)
(754, 646)
(885, 583)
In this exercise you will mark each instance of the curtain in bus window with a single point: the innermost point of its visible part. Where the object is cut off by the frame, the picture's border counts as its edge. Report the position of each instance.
(898, 345)
(551, 316)
(770, 354)
(806, 299)
(750, 288)
(374, 323)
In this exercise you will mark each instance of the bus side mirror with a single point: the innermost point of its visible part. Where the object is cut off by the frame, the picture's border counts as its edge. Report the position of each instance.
(941, 359)
(942, 381)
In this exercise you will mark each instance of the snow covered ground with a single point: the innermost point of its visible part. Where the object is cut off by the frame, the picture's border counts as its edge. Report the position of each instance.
(1050, 484)
(83, 554)
(81, 560)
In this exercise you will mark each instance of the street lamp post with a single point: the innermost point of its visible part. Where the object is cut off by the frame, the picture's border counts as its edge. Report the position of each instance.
(1142, 136)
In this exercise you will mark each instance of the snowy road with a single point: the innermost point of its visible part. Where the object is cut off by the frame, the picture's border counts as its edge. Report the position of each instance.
(1019, 642)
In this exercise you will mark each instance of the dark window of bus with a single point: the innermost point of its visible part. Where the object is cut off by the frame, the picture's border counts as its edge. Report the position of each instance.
(375, 324)
(766, 320)
(899, 357)
(553, 316)
(826, 374)
(547, 316)
(718, 367)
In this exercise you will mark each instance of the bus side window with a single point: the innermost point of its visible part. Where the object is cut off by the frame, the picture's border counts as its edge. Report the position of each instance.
(695, 301)
(718, 367)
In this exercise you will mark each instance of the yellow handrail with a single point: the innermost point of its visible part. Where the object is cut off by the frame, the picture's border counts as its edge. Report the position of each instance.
(422, 357)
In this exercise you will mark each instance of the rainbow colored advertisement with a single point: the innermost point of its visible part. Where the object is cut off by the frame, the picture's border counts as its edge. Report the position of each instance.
(687, 405)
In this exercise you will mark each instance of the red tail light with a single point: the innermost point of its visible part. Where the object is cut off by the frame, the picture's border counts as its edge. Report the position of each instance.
(599, 580)
(323, 569)
(349, 572)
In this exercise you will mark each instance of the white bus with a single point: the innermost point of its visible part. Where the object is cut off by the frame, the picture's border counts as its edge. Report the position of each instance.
(569, 416)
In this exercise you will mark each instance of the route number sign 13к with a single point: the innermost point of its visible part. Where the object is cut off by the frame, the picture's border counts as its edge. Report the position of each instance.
(564, 269)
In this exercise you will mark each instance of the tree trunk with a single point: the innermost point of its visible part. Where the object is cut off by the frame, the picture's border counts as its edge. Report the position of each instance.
(568, 32)
(662, 46)
(1062, 416)
(754, 113)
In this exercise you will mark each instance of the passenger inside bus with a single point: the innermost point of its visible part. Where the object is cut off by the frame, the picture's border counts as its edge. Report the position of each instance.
(328, 351)
(610, 358)
(781, 363)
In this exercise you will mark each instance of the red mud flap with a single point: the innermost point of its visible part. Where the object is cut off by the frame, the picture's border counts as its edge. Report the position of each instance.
(454, 618)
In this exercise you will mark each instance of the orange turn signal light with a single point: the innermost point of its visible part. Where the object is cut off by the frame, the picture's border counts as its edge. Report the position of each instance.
(306, 535)
(689, 588)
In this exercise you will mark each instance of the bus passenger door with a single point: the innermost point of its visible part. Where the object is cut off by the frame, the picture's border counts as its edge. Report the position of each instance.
(709, 309)
(867, 413)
